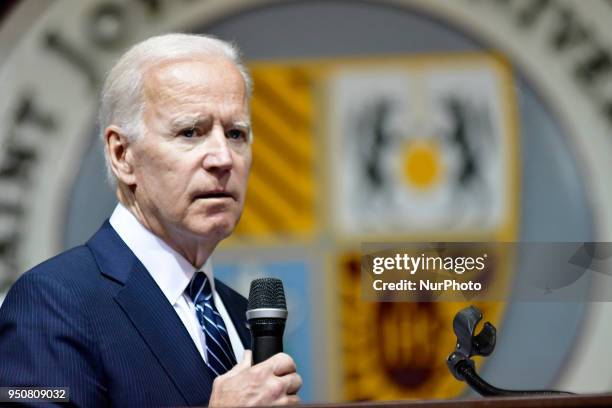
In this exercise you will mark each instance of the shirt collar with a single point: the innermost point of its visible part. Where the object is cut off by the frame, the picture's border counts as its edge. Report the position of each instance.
(169, 269)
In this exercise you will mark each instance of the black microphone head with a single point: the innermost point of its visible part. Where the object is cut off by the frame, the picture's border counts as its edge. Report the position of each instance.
(267, 293)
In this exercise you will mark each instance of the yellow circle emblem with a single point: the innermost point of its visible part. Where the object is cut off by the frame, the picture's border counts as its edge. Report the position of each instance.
(422, 164)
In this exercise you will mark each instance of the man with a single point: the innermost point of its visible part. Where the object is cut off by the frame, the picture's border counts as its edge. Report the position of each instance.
(134, 317)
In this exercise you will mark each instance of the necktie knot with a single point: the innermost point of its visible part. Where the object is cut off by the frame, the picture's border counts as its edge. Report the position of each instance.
(199, 288)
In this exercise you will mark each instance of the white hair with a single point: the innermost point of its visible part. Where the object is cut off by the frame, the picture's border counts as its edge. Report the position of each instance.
(122, 100)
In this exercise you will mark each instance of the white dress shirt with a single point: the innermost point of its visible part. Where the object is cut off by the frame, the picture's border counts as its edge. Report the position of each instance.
(172, 273)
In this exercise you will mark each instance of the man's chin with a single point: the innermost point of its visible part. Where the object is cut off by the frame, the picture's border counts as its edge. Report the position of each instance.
(218, 230)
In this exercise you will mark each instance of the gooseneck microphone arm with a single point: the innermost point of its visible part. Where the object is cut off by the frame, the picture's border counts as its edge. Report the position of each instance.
(478, 384)
(462, 366)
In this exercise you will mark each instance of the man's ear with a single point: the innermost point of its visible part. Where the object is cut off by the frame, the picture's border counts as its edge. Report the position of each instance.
(118, 147)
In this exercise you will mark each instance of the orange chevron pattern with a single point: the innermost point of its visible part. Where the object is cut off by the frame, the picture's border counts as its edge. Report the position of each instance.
(281, 192)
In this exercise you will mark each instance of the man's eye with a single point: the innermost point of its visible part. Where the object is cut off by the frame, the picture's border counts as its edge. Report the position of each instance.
(236, 134)
(191, 132)
(188, 132)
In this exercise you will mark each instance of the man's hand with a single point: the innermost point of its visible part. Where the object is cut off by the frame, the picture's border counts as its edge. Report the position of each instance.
(271, 382)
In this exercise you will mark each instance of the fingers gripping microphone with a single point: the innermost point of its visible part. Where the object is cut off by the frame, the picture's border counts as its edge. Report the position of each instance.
(266, 314)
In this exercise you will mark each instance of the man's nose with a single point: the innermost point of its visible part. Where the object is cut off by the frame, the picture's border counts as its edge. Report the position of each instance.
(218, 156)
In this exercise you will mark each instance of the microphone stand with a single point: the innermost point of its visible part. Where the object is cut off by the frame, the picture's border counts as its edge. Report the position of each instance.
(462, 366)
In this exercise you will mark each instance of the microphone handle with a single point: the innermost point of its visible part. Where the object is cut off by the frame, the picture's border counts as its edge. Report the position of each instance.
(265, 347)
(266, 338)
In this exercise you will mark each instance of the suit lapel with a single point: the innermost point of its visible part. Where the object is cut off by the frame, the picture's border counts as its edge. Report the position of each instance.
(153, 317)
(236, 306)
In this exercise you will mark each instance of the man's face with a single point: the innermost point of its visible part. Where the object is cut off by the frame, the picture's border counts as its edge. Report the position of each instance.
(192, 161)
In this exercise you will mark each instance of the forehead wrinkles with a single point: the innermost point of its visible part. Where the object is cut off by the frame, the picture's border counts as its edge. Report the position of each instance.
(176, 84)
(205, 76)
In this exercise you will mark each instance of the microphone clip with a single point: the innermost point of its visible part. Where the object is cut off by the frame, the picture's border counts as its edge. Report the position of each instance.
(468, 343)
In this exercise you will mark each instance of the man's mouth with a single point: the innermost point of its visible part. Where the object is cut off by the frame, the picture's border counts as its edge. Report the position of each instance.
(214, 194)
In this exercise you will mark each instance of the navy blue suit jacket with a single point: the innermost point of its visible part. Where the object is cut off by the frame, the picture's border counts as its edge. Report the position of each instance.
(93, 319)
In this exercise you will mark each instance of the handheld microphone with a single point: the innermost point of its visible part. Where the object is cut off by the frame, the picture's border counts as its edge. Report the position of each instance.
(266, 315)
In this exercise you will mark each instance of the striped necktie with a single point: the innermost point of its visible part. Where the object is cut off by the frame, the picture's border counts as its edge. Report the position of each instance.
(219, 352)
